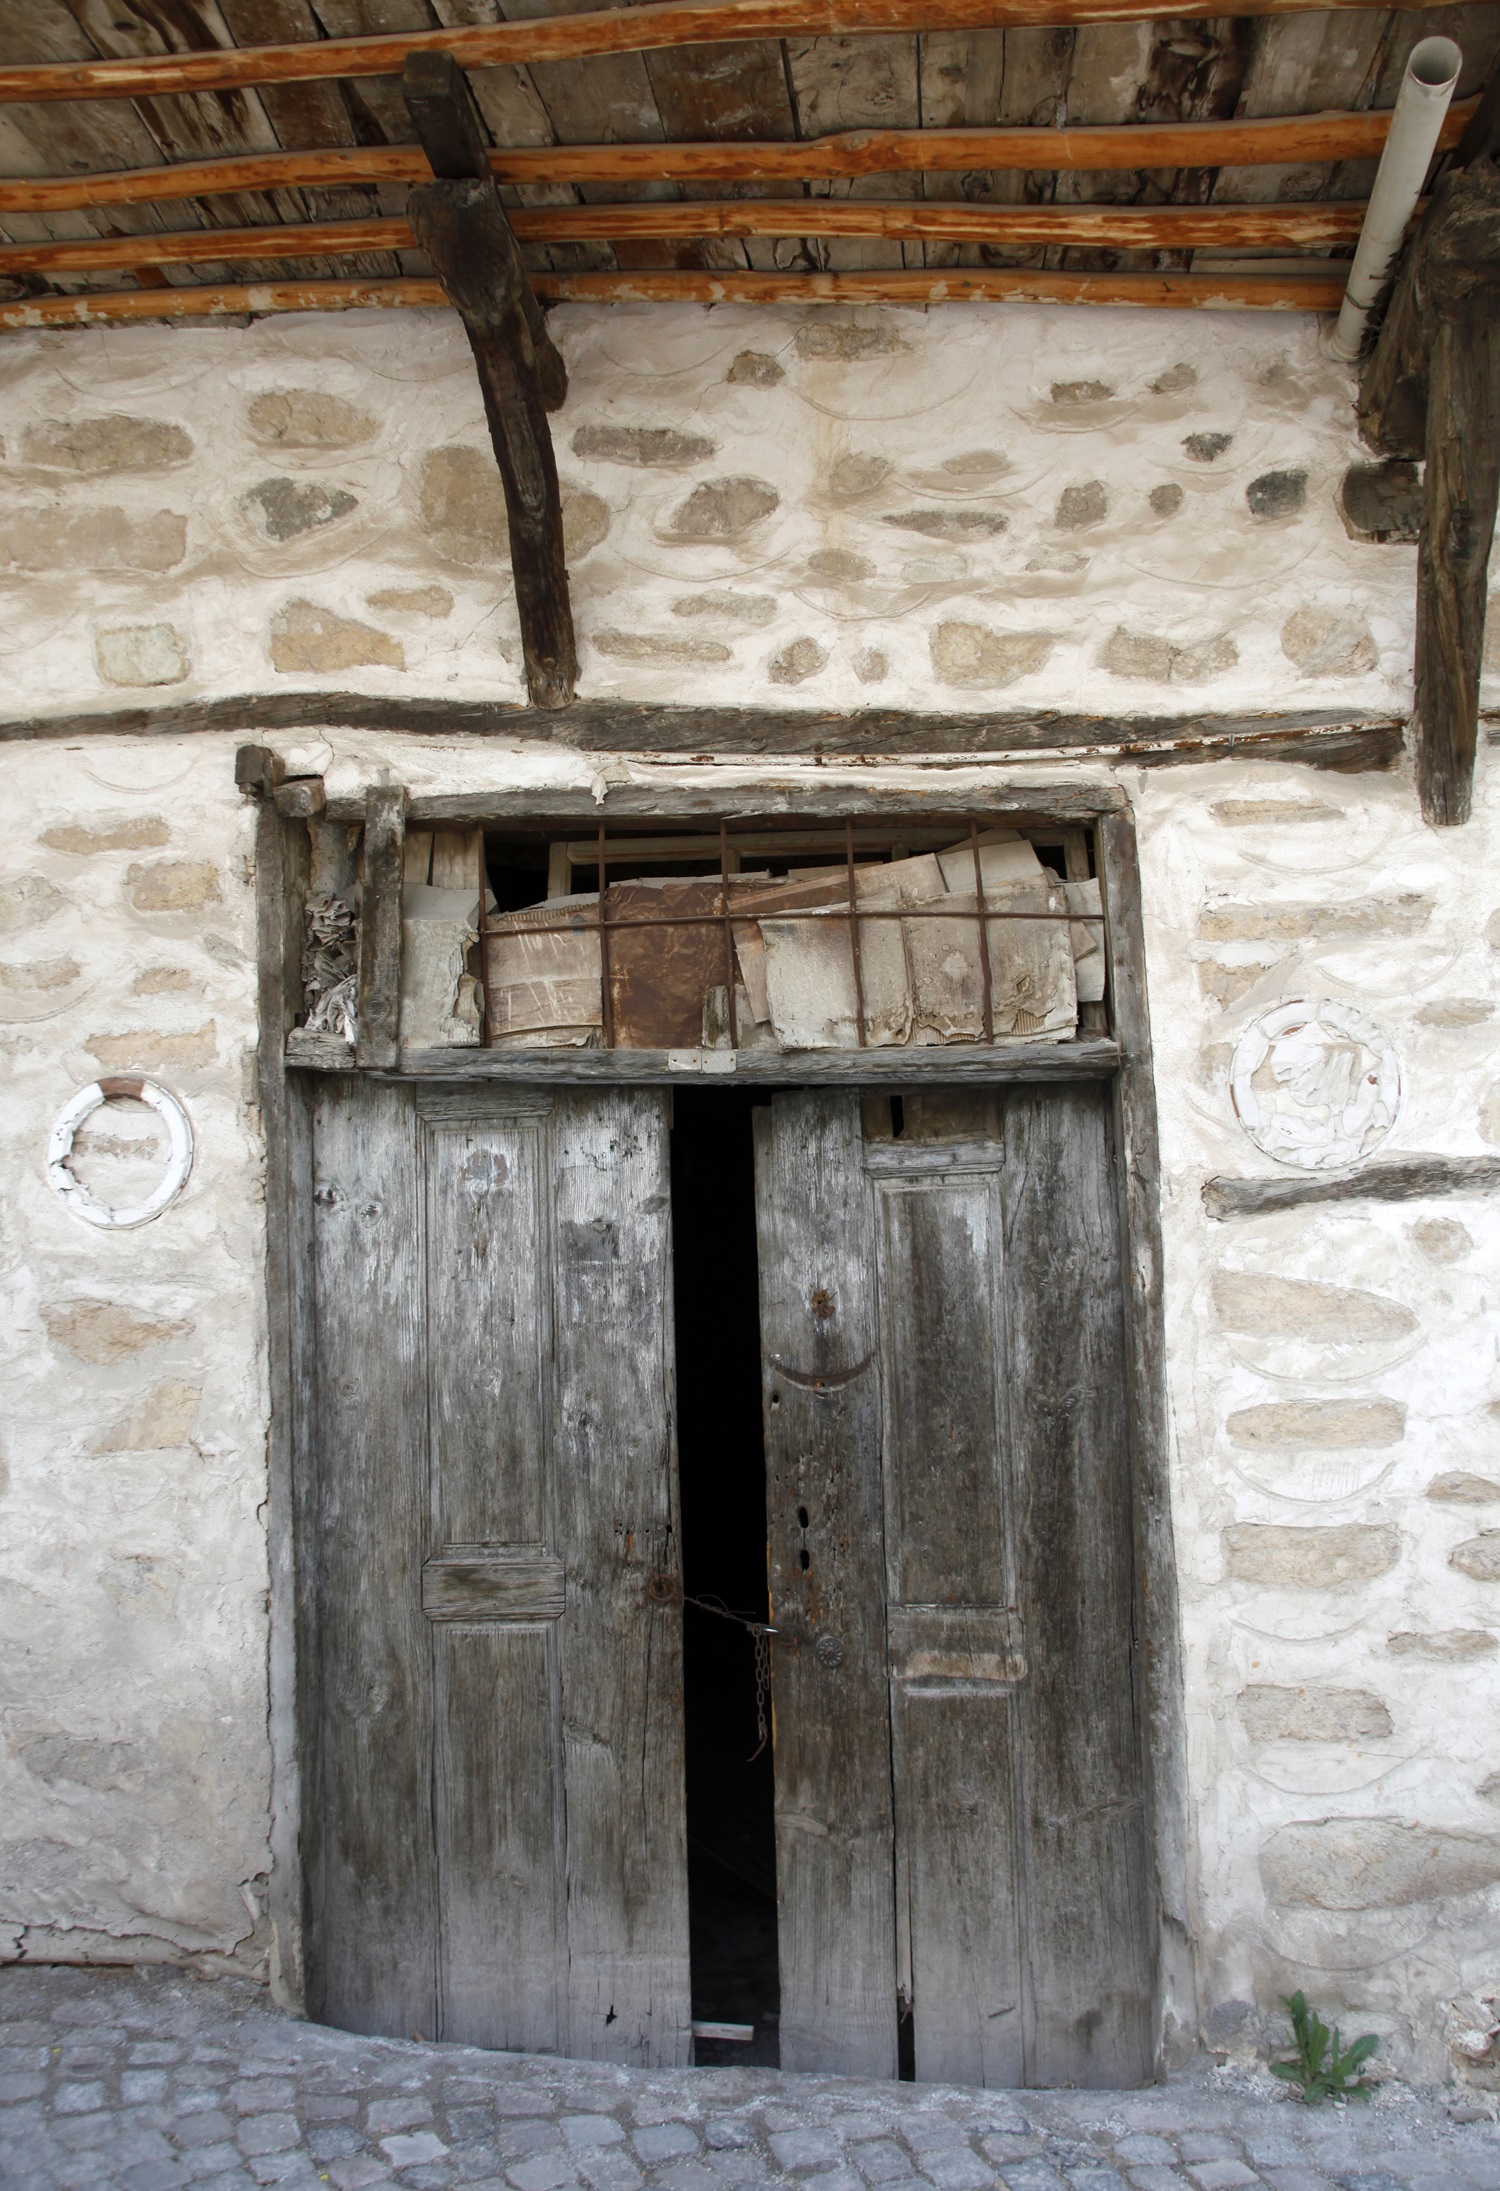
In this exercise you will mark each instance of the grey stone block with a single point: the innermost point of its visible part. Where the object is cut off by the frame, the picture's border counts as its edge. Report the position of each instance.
(583, 2132)
(958, 2170)
(1157, 2179)
(269, 2133)
(78, 2099)
(396, 2113)
(879, 2161)
(1143, 2151)
(208, 2126)
(334, 2141)
(27, 2085)
(1207, 2145)
(664, 2141)
(155, 2176)
(259, 2095)
(723, 2133)
(1033, 2175)
(1221, 2175)
(806, 2148)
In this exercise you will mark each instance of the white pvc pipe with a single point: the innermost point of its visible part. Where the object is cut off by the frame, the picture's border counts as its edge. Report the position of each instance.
(1421, 104)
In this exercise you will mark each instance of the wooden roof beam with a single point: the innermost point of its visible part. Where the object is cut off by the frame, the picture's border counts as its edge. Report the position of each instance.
(460, 223)
(654, 27)
(1432, 389)
(1280, 140)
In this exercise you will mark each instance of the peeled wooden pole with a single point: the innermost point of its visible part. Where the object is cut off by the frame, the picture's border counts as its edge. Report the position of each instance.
(1277, 141)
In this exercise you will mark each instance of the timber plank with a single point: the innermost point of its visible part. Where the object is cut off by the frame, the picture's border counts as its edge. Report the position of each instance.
(1087, 2000)
(615, 1493)
(819, 1346)
(382, 867)
(371, 1954)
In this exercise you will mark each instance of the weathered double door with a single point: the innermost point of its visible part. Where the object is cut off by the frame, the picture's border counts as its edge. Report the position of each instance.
(493, 1810)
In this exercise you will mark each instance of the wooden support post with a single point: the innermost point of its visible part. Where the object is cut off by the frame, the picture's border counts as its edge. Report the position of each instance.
(382, 867)
(461, 224)
(1432, 389)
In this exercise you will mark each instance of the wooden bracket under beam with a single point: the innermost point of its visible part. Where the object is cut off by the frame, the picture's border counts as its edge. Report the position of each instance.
(461, 224)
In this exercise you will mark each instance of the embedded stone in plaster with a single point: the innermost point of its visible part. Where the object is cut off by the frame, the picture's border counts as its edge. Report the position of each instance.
(1166, 500)
(853, 476)
(976, 464)
(1374, 1864)
(461, 505)
(38, 975)
(162, 1419)
(644, 646)
(107, 1331)
(1081, 506)
(80, 1761)
(136, 834)
(585, 522)
(149, 1052)
(1071, 393)
(797, 662)
(284, 509)
(26, 901)
(306, 637)
(1382, 503)
(1478, 1557)
(1443, 1646)
(972, 655)
(1406, 915)
(1329, 643)
(871, 667)
(307, 418)
(1175, 380)
(728, 607)
(92, 540)
(848, 340)
(1490, 1787)
(1277, 494)
(661, 446)
(1205, 448)
(95, 447)
(1306, 1308)
(171, 886)
(1271, 813)
(1441, 1239)
(434, 601)
(1325, 1424)
(155, 981)
(141, 654)
(1489, 1118)
(841, 566)
(949, 524)
(1322, 1558)
(1227, 984)
(754, 369)
(1456, 1012)
(1149, 656)
(1459, 1488)
(722, 509)
(1269, 1714)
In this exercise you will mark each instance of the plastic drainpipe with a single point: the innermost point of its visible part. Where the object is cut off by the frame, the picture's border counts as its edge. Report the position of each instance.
(1421, 104)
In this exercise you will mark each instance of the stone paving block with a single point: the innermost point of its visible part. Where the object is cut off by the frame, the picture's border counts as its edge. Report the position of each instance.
(28, 2085)
(1272, 2151)
(1142, 2151)
(737, 2166)
(608, 2168)
(78, 2170)
(958, 2170)
(879, 2161)
(334, 2142)
(801, 2148)
(664, 2141)
(1005, 2147)
(1158, 2179)
(78, 2099)
(1300, 2178)
(268, 2133)
(1033, 2175)
(468, 2122)
(154, 2051)
(1221, 2175)
(389, 2113)
(1207, 2145)
(360, 2174)
(205, 2126)
(585, 2131)
(518, 2139)
(143, 2084)
(155, 2176)
(925, 2133)
(721, 2133)
(689, 2175)
(77, 2131)
(24, 2057)
(260, 2095)
(215, 2159)
(1095, 2178)
(439, 2176)
(543, 2172)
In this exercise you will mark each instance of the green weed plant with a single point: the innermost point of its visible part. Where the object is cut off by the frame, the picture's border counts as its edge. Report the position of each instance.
(1323, 2067)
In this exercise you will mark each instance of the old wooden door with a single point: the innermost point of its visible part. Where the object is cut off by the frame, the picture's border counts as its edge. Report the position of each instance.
(959, 1821)
(492, 1641)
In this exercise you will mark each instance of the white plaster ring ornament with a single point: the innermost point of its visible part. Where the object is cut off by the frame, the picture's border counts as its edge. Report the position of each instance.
(1316, 1084)
(62, 1179)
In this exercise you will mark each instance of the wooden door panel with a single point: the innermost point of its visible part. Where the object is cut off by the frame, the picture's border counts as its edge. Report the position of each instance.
(1086, 1916)
(371, 1860)
(820, 1348)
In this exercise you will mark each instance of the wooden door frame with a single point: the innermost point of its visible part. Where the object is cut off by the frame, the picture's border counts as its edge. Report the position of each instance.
(282, 861)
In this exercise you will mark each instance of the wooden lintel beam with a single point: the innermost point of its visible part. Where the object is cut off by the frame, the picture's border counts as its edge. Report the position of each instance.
(1275, 141)
(461, 224)
(653, 28)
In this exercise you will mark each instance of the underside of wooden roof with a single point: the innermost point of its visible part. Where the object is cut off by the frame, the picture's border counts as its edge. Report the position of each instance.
(194, 156)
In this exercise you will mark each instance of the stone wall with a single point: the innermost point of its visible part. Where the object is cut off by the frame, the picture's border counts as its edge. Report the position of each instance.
(971, 508)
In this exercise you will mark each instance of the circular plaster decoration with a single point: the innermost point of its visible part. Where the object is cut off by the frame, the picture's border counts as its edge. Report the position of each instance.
(1315, 1084)
(136, 1088)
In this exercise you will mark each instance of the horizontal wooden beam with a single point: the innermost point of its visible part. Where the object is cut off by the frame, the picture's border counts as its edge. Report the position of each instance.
(1397, 1179)
(658, 25)
(1312, 290)
(1279, 141)
(1131, 228)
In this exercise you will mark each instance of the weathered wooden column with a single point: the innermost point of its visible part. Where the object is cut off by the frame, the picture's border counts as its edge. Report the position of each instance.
(461, 224)
(1432, 389)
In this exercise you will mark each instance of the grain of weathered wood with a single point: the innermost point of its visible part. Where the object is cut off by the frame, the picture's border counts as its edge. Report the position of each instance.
(380, 927)
(821, 1411)
(492, 1586)
(615, 1492)
(934, 1064)
(1138, 1189)
(1396, 1179)
(949, 1580)
(372, 1954)
(1088, 1997)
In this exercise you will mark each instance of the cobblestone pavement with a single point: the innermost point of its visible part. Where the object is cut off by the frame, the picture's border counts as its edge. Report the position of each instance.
(148, 2080)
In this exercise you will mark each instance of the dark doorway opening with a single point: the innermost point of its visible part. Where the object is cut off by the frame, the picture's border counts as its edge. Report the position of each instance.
(721, 1459)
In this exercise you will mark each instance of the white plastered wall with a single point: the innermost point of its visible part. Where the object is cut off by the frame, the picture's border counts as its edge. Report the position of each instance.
(135, 1772)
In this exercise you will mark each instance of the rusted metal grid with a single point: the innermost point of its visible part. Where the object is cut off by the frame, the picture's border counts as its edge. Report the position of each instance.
(624, 848)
